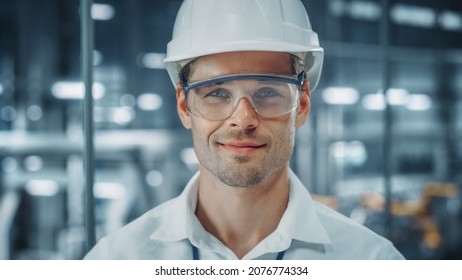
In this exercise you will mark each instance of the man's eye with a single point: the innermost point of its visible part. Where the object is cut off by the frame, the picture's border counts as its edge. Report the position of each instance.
(267, 93)
(217, 93)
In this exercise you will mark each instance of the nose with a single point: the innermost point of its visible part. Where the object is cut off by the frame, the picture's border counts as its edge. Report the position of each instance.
(244, 115)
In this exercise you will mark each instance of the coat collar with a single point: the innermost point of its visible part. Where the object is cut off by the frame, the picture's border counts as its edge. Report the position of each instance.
(300, 220)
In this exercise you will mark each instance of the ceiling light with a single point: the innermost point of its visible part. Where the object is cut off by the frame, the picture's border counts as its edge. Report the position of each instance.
(337, 7)
(365, 10)
(121, 115)
(413, 15)
(75, 90)
(419, 102)
(450, 20)
(340, 95)
(34, 113)
(374, 102)
(152, 60)
(109, 190)
(42, 187)
(149, 101)
(188, 156)
(102, 11)
(33, 163)
(154, 178)
(397, 96)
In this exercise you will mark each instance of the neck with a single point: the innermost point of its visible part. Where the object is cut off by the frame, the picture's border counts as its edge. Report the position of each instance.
(242, 217)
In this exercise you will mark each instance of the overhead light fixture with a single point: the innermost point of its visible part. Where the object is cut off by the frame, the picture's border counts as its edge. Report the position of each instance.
(1, 89)
(118, 115)
(188, 156)
(373, 101)
(419, 102)
(75, 90)
(397, 96)
(42, 187)
(149, 101)
(102, 11)
(152, 60)
(121, 115)
(353, 152)
(109, 190)
(340, 95)
(412, 15)
(34, 112)
(33, 163)
(450, 20)
(337, 7)
(154, 178)
(365, 10)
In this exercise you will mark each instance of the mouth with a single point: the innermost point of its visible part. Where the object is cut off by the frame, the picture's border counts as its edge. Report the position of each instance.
(242, 148)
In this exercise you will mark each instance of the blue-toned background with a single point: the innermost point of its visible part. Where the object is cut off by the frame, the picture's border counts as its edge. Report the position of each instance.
(144, 156)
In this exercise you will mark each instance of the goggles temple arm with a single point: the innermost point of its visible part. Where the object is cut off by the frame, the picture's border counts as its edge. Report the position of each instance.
(184, 84)
(301, 79)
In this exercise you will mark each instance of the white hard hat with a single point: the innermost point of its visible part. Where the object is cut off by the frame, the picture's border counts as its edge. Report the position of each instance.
(204, 27)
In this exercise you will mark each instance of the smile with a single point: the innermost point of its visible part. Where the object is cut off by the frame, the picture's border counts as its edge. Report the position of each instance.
(242, 148)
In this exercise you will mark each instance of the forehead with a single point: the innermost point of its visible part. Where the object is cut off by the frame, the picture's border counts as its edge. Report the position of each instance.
(241, 62)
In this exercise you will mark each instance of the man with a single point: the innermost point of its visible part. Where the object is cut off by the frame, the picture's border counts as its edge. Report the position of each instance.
(243, 71)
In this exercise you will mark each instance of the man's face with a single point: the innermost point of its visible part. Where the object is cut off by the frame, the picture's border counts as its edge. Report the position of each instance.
(244, 149)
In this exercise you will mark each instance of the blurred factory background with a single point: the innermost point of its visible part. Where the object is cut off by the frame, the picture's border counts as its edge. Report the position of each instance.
(143, 156)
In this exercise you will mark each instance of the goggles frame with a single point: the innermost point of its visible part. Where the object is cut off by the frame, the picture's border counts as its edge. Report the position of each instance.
(297, 80)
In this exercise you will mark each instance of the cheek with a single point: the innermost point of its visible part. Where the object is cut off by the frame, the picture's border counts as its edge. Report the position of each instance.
(198, 134)
(202, 130)
(284, 132)
(289, 133)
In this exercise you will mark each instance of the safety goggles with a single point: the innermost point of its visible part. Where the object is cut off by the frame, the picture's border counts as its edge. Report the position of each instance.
(269, 95)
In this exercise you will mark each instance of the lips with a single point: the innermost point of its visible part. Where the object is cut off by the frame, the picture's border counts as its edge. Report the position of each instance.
(242, 147)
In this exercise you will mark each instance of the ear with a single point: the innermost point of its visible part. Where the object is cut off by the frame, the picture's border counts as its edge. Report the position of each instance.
(182, 106)
(304, 106)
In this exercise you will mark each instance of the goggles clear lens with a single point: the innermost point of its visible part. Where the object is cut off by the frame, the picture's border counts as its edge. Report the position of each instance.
(269, 95)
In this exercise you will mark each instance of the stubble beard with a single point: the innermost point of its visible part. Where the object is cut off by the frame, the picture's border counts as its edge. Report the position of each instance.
(239, 175)
(238, 171)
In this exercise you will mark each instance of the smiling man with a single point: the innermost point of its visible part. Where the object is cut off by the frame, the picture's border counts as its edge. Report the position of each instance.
(243, 70)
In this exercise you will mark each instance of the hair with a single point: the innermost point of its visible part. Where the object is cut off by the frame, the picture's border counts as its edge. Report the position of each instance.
(297, 67)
